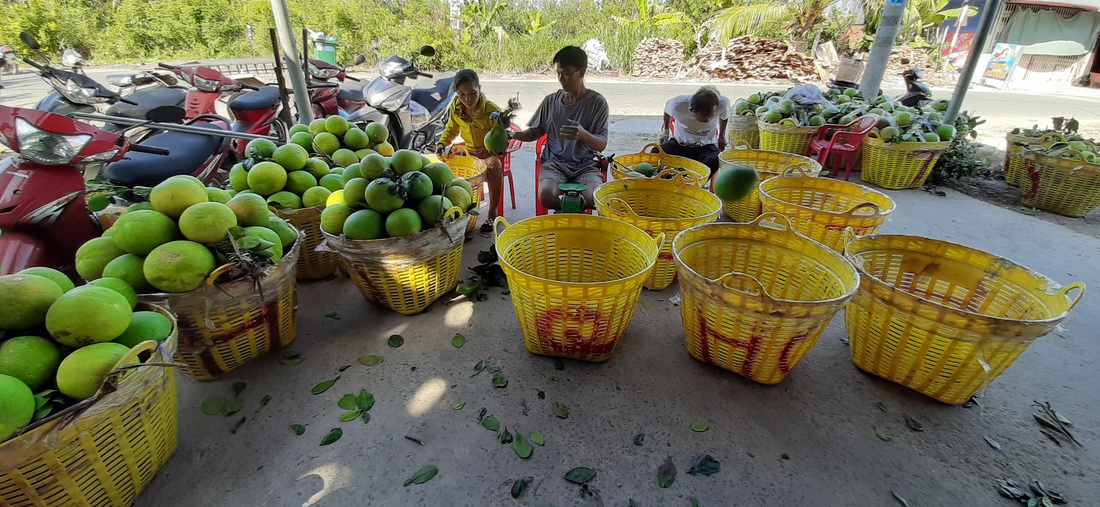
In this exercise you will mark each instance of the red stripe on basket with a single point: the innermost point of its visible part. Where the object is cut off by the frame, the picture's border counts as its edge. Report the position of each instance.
(751, 347)
(785, 356)
(664, 256)
(574, 344)
(1033, 175)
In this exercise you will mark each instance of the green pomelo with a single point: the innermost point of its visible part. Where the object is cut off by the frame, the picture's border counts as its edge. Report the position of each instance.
(139, 232)
(402, 223)
(270, 236)
(733, 183)
(317, 167)
(207, 222)
(286, 233)
(53, 275)
(355, 191)
(145, 326)
(317, 126)
(339, 171)
(315, 196)
(344, 157)
(326, 143)
(118, 285)
(406, 161)
(175, 194)
(88, 315)
(333, 182)
(464, 183)
(291, 156)
(138, 206)
(373, 165)
(81, 373)
(336, 197)
(300, 181)
(238, 178)
(646, 169)
(31, 359)
(440, 174)
(336, 125)
(364, 152)
(179, 266)
(298, 128)
(496, 140)
(377, 132)
(432, 208)
(460, 197)
(94, 255)
(260, 149)
(16, 406)
(217, 195)
(266, 178)
(251, 209)
(303, 139)
(353, 171)
(365, 224)
(285, 200)
(384, 149)
(382, 195)
(356, 139)
(903, 119)
(333, 218)
(130, 268)
(418, 185)
(946, 132)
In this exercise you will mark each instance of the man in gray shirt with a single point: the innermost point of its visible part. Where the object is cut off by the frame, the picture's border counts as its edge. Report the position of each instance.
(574, 121)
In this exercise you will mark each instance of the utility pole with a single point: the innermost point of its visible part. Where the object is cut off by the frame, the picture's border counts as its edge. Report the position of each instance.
(985, 27)
(887, 33)
(292, 63)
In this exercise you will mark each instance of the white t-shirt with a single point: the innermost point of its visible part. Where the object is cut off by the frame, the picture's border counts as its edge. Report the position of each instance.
(687, 130)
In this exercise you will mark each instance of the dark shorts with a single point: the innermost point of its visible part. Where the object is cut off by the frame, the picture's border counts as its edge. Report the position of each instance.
(561, 173)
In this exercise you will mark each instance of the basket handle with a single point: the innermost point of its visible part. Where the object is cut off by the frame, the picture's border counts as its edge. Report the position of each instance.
(684, 175)
(660, 150)
(872, 206)
(741, 144)
(789, 172)
(847, 237)
(774, 221)
(496, 225)
(456, 211)
(1052, 137)
(615, 201)
(729, 281)
(1064, 291)
(454, 151)
(145, 346)
(214, 275)
(658, 240)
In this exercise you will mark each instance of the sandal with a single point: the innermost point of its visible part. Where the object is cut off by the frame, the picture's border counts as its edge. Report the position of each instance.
(487, 226)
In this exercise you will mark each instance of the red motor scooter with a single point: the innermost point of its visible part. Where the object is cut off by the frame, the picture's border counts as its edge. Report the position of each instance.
(328, 97)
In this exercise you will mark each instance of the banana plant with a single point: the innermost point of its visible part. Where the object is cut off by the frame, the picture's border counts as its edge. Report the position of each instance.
(652, 16)
(535, 24)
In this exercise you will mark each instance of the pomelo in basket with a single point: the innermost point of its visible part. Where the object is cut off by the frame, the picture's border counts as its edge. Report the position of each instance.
(145, 326)
(266, 178)
(336, 197)
(251, 209)
(25, 299)
(268, 235)
(384, 149)
(283, 230)
(317, 126)
(217, 195)
(88, 315)
(735, 182)
(333, 182)
(61, 279)
(139, 232)
(377, 132)
(356, 139)
(238, 178)
(462, 182)
(334, 216)
(207, 222)
(285, 200)
(459, 196)
(326, 143)
(317, 167)
(130, 268)
(175, 194)
(16, 406)
(179, 266)
(355, 191)
(365, 224)
(303, 139)
(402, 223)
(94, 255)
(118, 285)
(382, 195)
(344, 157)
(406, 161)
(260, 149)
(291, 156)
(315, 196)
(300, 181)
(353, 171)
(31, 359)
(82, 373)
(372, 166)
(440, 174)
(419, 185)
(432, 207)
(336, 125)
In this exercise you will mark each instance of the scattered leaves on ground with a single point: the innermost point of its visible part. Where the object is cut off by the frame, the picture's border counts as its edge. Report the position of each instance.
(459, 405)
(881, 406)
(323, 386)
(580, 475)
(499, 380)
(694, 502)
(232, 406)
(561, 411)
(213, 405)
(458, 341)
(993, 443)
(333, 315)
(505, 436)
(901, 501)
(882, 435)
(365, 400)
(559, 364)
(639, 439)
(913, 424)
(522, 446)
(291, 358)
(333, 435)
(350, 416)
(490, 423)
(542, 395)
(347, 402)
(666, 474)
(237, 425)
(265, 400)
(370, 360)
(238, 388)
(537, 438)
(478, 368)
(699, 426)
(395, 341)
(298, 429)
(705, 465)
(423, 475)
(519, 486)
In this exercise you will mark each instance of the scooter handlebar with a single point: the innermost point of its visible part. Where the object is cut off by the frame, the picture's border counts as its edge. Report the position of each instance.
(424, 74)
(152, 150)
(248, 86)
(353, 78)
(34, 64)
(166, 66)
(125, 100)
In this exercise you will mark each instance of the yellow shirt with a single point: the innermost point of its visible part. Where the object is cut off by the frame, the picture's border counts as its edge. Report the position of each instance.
(472, 130)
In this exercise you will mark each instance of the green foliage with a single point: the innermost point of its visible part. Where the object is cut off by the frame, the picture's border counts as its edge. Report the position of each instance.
(960, 160)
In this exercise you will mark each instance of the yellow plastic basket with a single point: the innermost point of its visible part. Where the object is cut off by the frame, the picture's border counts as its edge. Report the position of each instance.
(768, 164)
(757, 296)
(1067, 185)
(1017, 144)
(470, 169)
(225, 325)
(575, 280)
(623, 163)
(945, 319)
(898, 166)
(658, 206)
(786, 138)
(104, 450)
(406, 274)
(743, 128)
(823, 208)
(312, 265)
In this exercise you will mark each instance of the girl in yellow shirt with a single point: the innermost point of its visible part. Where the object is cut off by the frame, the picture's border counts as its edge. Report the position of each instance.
(470, 117)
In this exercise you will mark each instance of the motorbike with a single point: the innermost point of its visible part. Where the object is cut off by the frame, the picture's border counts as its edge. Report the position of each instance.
(414, 115)
(133, 82)
(917, 93)
(330, 98)
(9, 61)
(72, 59)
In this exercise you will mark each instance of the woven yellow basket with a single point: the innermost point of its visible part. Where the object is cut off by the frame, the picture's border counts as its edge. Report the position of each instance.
(575, 280)
(406, 274)
(104, 450)
(945, 319)
(623, 163)
(898, 166)
(658, 206)
(472, 169)
(312, 265)
(768, 164)
(1017, 144)
(225, 325)
(785, 138)
(757, 296)
(1067, 185)
(743, 128)
(823, 208)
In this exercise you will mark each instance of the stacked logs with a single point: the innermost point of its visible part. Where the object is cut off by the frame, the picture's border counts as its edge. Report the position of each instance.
(750, 57)
(658, 58)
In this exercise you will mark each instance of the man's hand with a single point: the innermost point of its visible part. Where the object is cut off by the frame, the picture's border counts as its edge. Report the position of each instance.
(721, 144)
(665, 134)
(572, 131)
(440, 148)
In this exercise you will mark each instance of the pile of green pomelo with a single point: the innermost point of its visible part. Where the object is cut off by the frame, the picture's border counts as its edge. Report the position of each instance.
(58, 344)
(175, 241)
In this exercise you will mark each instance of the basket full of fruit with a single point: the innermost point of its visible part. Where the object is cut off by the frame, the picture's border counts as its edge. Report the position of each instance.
(652, 162)
(1034, 138)
(1063, 178)
(75, 362)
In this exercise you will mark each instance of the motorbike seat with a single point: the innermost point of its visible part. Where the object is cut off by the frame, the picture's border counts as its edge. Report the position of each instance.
(432, 97)
(346, 94)
(147, 100)
(264, 98)
(186, 153)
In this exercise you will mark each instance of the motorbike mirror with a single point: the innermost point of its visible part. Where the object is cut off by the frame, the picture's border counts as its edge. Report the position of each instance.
(166, 114)
(29, 40)
(427, 50)
(374, 46)
(359, 60)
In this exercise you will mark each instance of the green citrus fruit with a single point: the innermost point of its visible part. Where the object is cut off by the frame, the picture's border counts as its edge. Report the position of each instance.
(81, 373)
(266, 178)
(365, 224)
(145, 326)
(16, 406)
(130, 268)
(25, 299)
(55, 276)
(291, 156)
(207, 222)
(88, 315)
(175, 194)
(334, 216)
(179, 266)
(31, 359)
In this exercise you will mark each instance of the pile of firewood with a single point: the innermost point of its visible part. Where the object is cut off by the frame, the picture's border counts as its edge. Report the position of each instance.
(658, 58)
(751, 58)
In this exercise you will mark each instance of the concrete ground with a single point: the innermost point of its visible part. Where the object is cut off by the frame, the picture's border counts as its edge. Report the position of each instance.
(810, 440)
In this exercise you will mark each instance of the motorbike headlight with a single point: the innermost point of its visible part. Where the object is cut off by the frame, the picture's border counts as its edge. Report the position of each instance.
(45, 147)
(389, 69)
(206, 85)
(393, 102)
(81, 95)
(101, 157)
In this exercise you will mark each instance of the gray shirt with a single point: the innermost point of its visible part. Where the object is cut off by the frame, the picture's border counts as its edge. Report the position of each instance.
(552, 114)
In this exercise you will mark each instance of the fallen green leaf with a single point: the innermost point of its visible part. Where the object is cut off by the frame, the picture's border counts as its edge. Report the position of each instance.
(458, 341)
(347, 402)
(481, 414)
(785, 456)
(370, 360)
(522, 446)
(632, 503)
(459, 405)
(499, 380)
(519, 486)
(666, 474)
(365, 400)
(639, 439)
(542, 395)
(213, 405)
(882, 435)
(901, 501)
(478, 368)
(423, 475)
(290, 362)
(699, 426)
(492, 368)
(561, 411)
(537, 438)
(298, 429)
(350, 416)
(290, 354)
(580, 475)
(993, 443)
(265, 400)
(913, 424)
(1062, 419)
(238, 388)
(705, 465)
(366, 417)
(237, 425)
(333, 315)
(395, 341)
(490, 423)
(881, 406)
(505, 437)
(232, 406)
(323, 386)
(343, 368)
(333, 435)
(694, 502)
